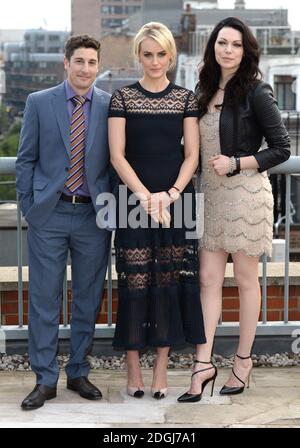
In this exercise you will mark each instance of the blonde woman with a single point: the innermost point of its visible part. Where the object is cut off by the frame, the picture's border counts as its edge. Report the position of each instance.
(157, 264)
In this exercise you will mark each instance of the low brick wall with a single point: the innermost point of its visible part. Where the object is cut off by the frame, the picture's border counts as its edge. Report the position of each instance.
(275, 303)
(294, 236)
(230, 313)
(9, 308)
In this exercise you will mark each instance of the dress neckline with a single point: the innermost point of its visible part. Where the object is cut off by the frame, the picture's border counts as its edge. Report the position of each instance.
(154, 94)
(211, 112)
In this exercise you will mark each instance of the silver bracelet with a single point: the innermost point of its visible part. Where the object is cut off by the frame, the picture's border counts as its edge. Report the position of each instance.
(232, 164)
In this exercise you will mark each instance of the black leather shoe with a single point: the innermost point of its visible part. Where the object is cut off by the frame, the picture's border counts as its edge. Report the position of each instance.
(84, 387)
(38, 396)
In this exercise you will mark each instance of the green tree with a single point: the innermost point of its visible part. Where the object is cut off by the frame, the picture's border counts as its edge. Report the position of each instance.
(9, 148)
(4, 119)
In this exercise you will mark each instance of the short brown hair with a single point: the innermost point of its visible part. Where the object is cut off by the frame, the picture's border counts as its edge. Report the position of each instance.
(82, 40)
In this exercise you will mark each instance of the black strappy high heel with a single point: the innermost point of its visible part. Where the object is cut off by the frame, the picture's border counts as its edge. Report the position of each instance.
(192, 398)
(228, 390)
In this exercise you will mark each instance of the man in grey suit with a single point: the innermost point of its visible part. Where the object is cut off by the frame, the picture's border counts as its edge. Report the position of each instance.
(62, 166)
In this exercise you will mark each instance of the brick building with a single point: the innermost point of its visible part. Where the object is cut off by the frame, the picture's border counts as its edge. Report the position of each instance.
(97, 17)
(34, 64)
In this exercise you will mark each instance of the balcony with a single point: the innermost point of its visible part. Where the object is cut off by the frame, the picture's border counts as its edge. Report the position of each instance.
(280, 284)
(272, 400)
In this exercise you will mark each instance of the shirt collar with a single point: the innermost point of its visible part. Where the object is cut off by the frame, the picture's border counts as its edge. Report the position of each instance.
(70, 93)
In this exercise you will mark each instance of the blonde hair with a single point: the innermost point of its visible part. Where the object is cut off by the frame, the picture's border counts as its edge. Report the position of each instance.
(161, 34)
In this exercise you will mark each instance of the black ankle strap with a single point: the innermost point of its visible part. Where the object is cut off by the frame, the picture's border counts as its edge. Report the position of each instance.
(238, 377)
(202, 362)
(242, 357)
(204, 370)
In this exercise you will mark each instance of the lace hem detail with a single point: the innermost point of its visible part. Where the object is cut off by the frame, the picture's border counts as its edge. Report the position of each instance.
(255, 252)
(141, 268)
(237, 235)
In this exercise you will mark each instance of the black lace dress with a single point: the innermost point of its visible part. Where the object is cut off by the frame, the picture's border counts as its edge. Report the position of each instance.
(158, 283)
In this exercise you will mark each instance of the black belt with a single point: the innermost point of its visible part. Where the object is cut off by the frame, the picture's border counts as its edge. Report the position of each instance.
(76, 199)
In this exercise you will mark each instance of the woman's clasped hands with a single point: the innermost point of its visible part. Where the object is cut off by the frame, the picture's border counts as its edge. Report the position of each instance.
(157, 207)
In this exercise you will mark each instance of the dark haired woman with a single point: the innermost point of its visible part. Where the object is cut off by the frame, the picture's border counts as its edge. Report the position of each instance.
(237, 111)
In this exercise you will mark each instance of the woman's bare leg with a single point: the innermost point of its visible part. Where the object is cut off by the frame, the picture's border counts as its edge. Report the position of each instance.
(246, 277)
(212, 271)
(160, 369)
(134, 374)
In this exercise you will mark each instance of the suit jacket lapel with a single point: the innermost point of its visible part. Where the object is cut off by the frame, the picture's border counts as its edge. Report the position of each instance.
(61, 111)
(94, 120)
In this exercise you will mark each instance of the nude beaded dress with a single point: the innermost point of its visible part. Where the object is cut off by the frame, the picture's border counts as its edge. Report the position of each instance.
(238, 210)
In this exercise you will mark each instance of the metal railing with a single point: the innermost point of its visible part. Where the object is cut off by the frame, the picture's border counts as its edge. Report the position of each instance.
(292, 166)
(7, 167)
(291, 120)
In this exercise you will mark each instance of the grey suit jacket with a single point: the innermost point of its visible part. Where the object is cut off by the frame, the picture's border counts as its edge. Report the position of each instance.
(44, 152)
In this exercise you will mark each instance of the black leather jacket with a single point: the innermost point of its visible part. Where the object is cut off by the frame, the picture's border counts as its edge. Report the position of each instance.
(242, 131)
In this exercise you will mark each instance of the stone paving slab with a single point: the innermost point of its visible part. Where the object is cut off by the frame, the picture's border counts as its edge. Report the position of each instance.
(273, 400)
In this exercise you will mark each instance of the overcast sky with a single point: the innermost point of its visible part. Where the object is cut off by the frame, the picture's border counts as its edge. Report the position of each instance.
(56, 14)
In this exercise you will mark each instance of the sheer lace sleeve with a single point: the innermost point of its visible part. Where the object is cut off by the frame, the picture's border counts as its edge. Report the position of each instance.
(117, 105)
(191, 106)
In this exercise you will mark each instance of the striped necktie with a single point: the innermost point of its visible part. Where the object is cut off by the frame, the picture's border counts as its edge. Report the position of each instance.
(77, 138)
